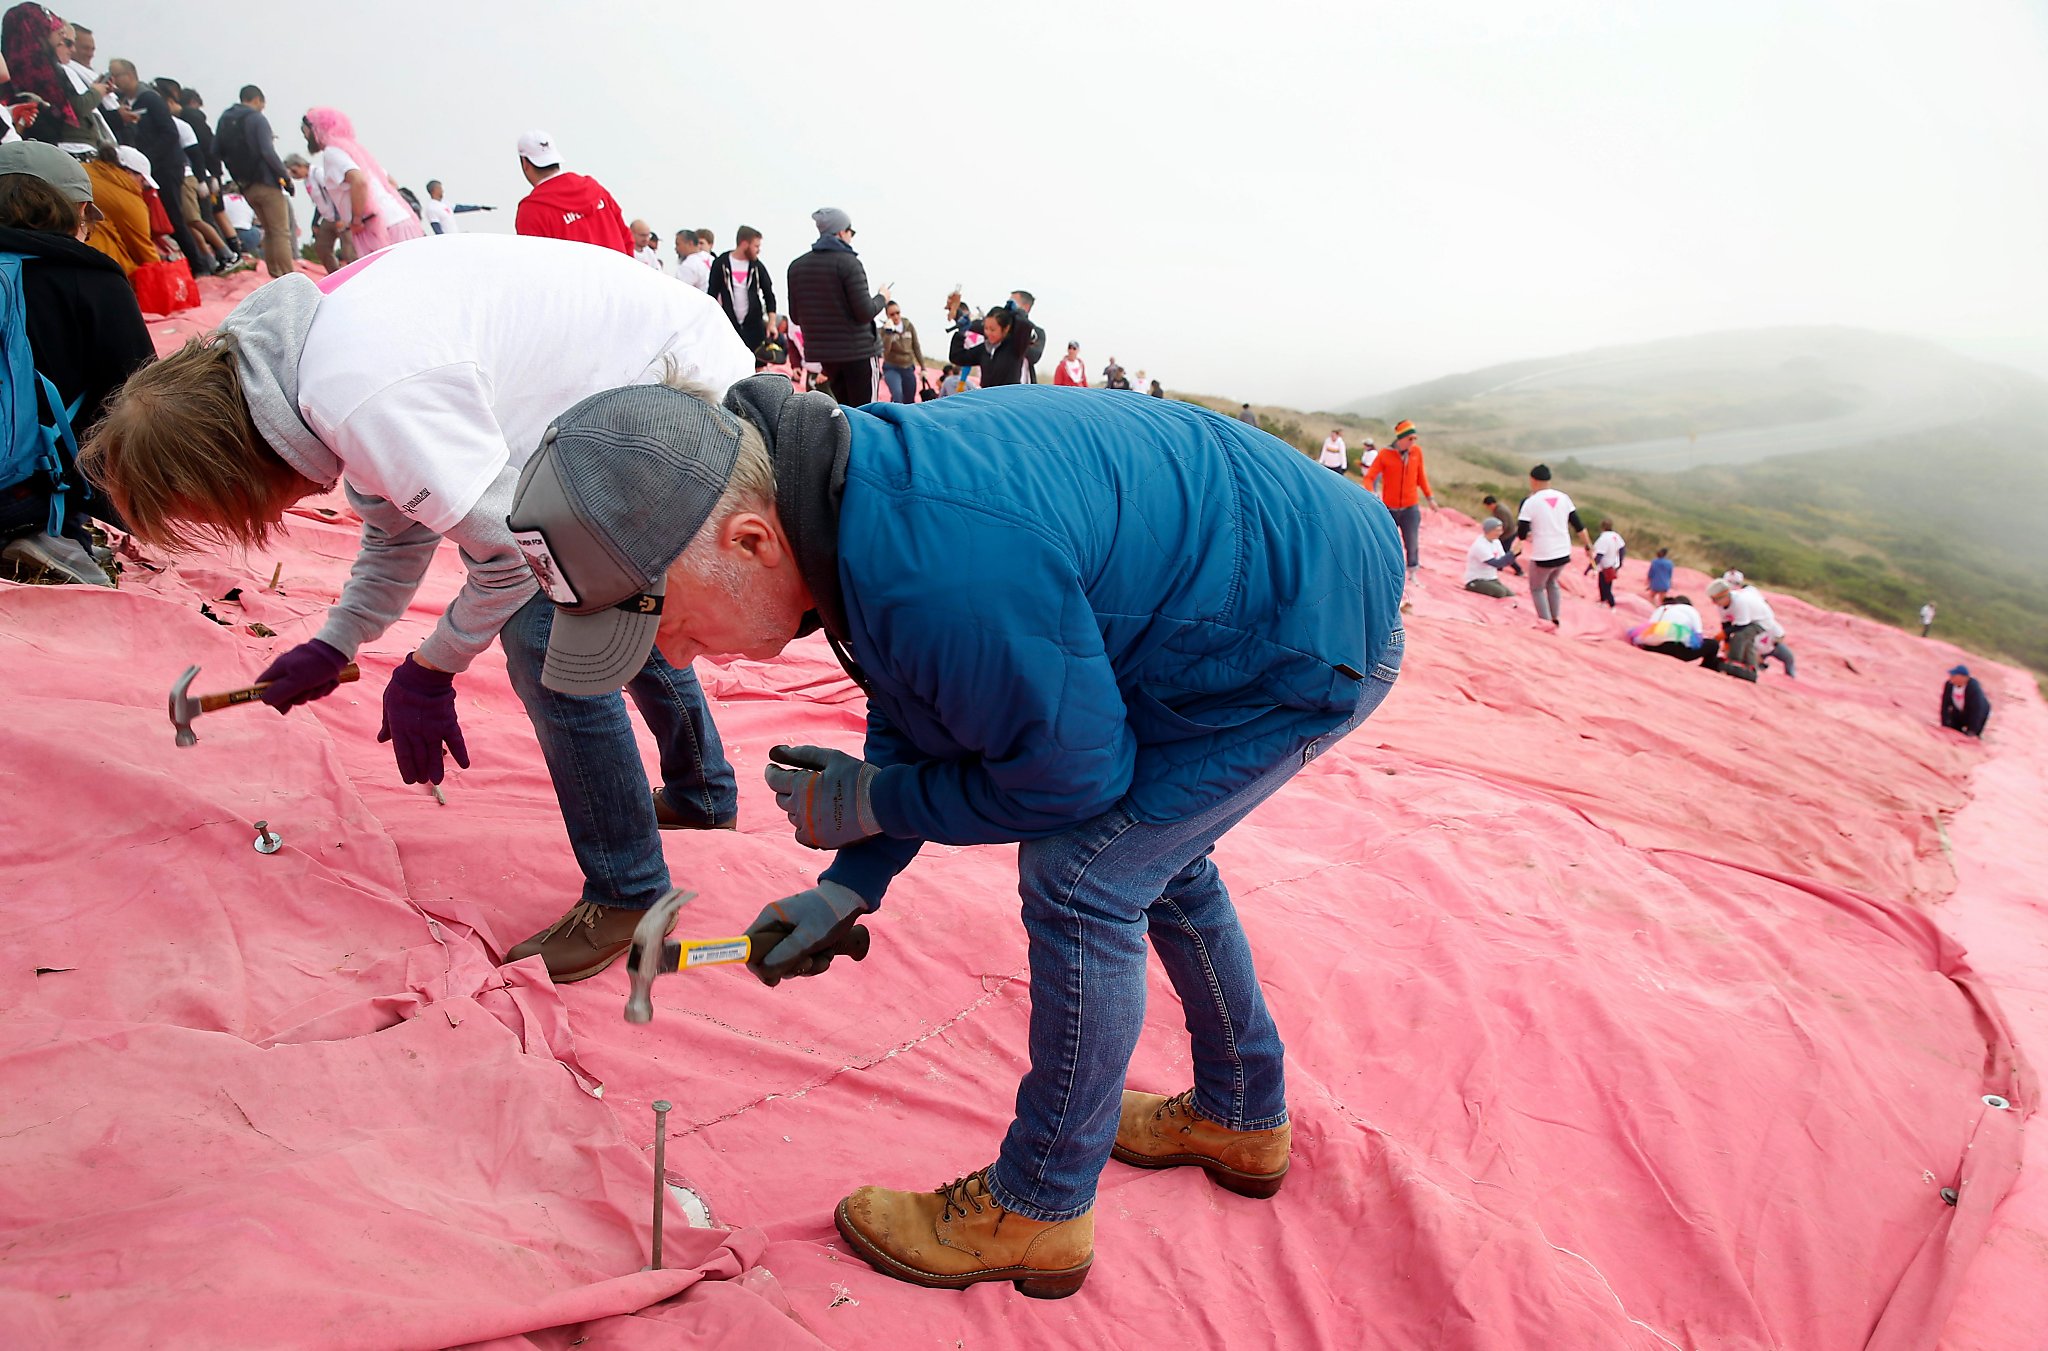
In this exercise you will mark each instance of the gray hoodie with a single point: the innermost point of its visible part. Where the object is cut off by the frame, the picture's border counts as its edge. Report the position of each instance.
(270, 329)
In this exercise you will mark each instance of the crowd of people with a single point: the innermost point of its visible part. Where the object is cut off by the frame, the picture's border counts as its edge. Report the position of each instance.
(643, 466)
(1535, 541)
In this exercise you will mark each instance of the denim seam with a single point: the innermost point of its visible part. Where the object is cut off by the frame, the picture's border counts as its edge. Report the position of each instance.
(691, 737)
(1223, 1010)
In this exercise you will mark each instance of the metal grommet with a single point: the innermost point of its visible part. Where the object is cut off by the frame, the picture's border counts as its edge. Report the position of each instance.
(1948, 1194)
(1993, 1100)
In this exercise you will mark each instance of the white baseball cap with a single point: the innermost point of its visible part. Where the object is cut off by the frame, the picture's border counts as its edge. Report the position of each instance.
(538, 149)
(134, 161)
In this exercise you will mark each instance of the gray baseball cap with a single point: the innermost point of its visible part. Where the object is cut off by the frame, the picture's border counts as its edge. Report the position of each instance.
(50, 164)
(620, 485)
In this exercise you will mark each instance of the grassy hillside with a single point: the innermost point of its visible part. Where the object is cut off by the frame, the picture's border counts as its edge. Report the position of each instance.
(1955, 516)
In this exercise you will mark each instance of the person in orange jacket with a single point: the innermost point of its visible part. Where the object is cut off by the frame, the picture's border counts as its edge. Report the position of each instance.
(1398, 473)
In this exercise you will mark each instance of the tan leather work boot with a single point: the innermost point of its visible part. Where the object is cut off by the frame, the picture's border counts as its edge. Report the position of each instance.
(1157, 1132)
(584, 942)
(668, 818)
(956, 1236)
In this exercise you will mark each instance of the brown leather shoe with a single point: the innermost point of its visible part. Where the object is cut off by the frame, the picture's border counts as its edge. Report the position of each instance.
(667, 818)
(1157, 1132)
(956, 1236)
(585, 941)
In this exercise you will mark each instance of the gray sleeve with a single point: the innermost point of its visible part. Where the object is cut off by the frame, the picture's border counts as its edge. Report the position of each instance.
(394, 557)
(499, 580)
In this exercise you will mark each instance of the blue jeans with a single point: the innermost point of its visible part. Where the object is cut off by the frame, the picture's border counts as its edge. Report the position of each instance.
(1092, 897)
(902, 382)
(595, 764)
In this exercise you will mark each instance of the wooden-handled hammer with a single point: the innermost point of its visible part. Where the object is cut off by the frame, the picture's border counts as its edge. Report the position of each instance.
(185, 707)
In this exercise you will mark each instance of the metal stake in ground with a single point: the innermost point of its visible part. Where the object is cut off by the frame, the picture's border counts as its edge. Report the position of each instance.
(661, 1111)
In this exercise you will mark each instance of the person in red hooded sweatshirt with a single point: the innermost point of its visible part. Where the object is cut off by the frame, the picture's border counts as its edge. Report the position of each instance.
(563, 205)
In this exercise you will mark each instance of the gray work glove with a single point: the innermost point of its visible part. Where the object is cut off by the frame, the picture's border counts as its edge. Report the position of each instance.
(824, 793)
(800, 935)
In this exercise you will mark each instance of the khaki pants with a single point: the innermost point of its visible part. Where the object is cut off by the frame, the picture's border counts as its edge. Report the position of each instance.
(274, 217)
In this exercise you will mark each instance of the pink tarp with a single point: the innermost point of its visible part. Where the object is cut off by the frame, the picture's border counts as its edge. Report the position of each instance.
(1619, 998)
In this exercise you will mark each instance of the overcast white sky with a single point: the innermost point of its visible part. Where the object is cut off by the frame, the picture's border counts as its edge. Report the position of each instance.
(1296, 203)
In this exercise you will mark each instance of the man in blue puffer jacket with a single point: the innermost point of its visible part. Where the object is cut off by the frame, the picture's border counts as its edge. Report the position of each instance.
(1105, 628)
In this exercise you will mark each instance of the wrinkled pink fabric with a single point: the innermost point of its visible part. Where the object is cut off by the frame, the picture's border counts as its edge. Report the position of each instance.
(1624, 1006)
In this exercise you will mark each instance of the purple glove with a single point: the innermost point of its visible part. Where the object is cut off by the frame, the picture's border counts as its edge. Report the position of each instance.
(305, 673)
(419, 718)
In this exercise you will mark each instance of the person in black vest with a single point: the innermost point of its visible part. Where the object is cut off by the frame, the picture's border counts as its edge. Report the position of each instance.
(829, 301)
(743, 288)
(1964, 706)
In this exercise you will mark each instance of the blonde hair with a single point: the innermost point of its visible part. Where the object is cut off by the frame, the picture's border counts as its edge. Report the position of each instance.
(180, 457)
(751, 487)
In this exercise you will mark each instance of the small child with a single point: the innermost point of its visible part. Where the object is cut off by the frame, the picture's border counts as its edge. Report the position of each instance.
(1660, 577)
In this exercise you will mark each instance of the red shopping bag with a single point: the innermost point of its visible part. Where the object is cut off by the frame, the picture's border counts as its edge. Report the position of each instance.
(164, 288)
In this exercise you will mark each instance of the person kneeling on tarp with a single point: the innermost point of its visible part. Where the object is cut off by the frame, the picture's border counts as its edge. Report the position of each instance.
(1964, 705)
(1750, 629)
(1675, 629)
(1070, 637)
(421, 379)
(1484, 560)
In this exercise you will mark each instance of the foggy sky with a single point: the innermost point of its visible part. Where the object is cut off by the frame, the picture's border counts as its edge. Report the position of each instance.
(1284, 202)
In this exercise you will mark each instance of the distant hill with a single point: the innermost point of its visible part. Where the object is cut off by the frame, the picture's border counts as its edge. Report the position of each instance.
(1721, 398)
(1862, 470)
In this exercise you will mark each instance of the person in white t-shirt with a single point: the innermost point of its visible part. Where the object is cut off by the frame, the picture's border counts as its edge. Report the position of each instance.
(696, 268)
(1547, 521)
(1926, 619)
(1675, 629)
(1336, 455)
(1484, 559)
(422, 379)
(1750, 630)
(1609, 549)
(241, 218)
(438, 216)
(744, 288)
(351, 188)
(644, 251)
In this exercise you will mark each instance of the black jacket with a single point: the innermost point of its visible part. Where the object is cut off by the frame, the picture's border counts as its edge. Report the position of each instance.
(248, 147)
(1975, 712)
(83, 324)
(87, 336)
(156, 136)
(829, 301)
(1003, 363)
(760, 298)
(205, 156)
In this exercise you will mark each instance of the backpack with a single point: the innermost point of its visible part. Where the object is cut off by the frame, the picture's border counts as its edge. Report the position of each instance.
(29, 446)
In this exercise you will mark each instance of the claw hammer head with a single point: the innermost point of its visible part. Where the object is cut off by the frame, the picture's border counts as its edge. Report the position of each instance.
(184, 707)
(650, 947)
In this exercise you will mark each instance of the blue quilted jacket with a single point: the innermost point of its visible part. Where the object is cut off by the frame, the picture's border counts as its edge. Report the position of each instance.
(1064, 599)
